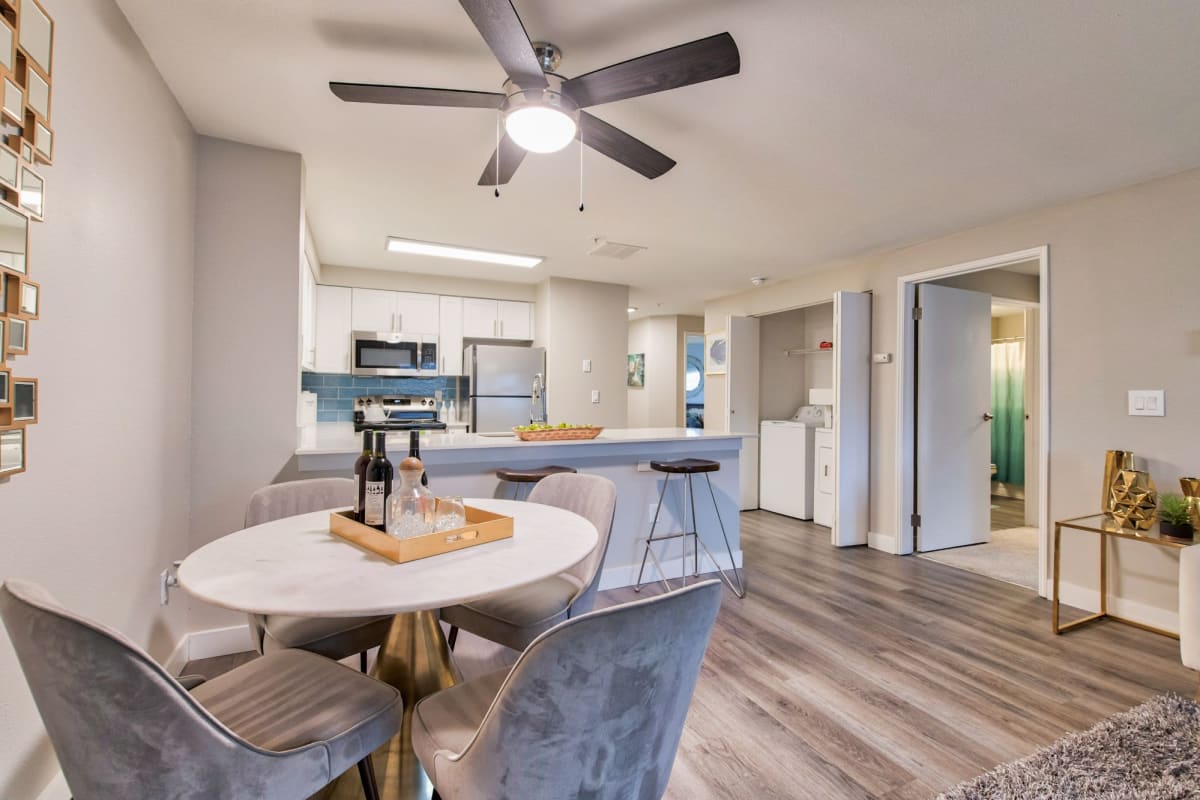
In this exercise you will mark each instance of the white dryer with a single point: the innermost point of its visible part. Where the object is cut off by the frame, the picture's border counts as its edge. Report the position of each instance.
(786, 460)
(824, 482)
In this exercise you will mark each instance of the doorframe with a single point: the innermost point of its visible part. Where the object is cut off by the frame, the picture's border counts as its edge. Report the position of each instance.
(905, 407)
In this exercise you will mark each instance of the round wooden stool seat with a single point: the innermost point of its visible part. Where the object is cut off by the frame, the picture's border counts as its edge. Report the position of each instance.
(531, 475)
(686, 466)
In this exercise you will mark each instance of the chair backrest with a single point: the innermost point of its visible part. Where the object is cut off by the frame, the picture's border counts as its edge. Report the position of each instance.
(120, 725)
(594, 708)
(298, 497)
(595, 498)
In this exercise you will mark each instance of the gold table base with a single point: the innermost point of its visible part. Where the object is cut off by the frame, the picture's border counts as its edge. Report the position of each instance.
(416, 660)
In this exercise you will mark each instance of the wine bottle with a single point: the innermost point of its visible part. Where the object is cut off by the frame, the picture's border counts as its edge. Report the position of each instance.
(377, 484)
(360, 469)
(414, 451)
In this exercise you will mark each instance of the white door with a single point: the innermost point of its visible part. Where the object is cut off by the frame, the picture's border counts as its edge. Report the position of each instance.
(373, 310)
(741, 386)
(516, 319)
(851, 417)
(953, 430)
(333, 329)
(417, 313)
(480, 318)
(450, 335)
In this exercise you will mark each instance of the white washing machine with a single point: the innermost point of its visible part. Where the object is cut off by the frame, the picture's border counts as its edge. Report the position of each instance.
(786, 458)
(824, 481)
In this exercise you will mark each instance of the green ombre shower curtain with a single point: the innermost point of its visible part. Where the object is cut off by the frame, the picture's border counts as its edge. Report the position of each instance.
(1008, 406)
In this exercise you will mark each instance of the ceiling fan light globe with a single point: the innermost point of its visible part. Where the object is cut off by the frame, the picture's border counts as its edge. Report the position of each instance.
(540, 129)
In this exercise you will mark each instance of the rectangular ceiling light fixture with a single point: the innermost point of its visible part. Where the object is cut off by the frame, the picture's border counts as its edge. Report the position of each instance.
(397, 245)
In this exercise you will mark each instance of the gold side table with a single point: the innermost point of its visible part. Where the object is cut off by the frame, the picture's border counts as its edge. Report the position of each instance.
(1105, 526)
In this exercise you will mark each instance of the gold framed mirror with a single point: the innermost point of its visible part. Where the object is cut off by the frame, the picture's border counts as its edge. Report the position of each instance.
(13, 105)
(18, 337)
(9, 168)
(26, 151)
(5, 386)
(25, 400)
(43, 142)
(32, 192)
(35, 34)
(37, 91)
(12, 451)
(3, 338)
(14, 240)
(8, 46)
(27, 305)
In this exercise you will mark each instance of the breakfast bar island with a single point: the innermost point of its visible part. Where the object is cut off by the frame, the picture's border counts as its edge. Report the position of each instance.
(465, 464)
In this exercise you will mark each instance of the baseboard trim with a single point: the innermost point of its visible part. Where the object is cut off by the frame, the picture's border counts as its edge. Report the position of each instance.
(626, 575)
(57, 789)
(882, 541)
(208, 644)
(1089, 600)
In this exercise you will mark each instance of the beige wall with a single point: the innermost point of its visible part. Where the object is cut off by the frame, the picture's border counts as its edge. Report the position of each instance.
(332, 275)
(104, 505)
(1009, 326)
(660, 403)
(579, 320)
(785, 380)
(1092, 244)
(247, 322)
(998, 283)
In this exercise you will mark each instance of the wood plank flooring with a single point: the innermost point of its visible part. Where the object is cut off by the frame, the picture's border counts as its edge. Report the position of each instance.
(1007, 513)
(856, 674)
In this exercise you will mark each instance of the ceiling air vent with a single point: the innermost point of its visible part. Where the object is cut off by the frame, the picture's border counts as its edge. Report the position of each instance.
(608, 249)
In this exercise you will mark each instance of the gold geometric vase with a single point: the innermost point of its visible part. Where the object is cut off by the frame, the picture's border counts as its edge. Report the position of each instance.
(1191, 490)
(1114, 462)
(1134, 500)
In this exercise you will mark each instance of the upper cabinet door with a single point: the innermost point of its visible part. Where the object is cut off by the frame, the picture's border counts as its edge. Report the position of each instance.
(516, 320)
(450, 335)
(333, 329)
(308, 316)
(481, 318)
(417, 313)
(373, 310)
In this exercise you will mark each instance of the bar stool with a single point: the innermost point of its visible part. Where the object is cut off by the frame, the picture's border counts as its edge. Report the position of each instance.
(688, 467)
(528, 477)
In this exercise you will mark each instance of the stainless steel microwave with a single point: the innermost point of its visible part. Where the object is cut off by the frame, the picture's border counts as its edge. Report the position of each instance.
(393, 354)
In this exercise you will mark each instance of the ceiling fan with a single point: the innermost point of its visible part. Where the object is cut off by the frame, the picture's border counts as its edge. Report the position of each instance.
(542, 110)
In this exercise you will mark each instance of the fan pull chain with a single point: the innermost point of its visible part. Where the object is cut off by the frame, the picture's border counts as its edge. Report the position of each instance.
(581, 170)
(497, 189)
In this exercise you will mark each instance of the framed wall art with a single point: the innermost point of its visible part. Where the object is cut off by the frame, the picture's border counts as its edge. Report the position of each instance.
(716, 353)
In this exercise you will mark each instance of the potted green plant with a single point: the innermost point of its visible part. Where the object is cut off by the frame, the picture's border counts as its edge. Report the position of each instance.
(1174, 517)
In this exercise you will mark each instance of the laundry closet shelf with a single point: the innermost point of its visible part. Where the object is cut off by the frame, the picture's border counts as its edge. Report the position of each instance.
(798, 351)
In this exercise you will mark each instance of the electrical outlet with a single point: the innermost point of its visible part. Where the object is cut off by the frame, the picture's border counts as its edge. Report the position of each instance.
(587, 365)
(595, 395)
(882, 358)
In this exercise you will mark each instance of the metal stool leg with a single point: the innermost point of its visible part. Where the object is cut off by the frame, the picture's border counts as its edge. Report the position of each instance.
(650, 540)
(740, 589)
(695, 532)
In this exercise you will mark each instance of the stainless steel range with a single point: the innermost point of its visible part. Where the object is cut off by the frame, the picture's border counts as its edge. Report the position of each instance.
(396, 412)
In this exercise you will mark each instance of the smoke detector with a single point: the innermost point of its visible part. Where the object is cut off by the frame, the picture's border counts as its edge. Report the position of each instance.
(607, 249)
(758, 280)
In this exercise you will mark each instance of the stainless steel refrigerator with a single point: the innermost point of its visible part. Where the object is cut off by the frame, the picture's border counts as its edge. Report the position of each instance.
(507, 386)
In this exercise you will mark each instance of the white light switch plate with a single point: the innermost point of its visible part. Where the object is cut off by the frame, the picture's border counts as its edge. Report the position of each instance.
(587, 365)
(1147, 403)
(595, 395)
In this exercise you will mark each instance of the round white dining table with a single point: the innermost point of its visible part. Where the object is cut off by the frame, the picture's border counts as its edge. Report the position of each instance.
(295, 566)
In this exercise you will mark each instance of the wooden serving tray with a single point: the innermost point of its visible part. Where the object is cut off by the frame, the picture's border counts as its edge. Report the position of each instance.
(560, 434)
(482, 526)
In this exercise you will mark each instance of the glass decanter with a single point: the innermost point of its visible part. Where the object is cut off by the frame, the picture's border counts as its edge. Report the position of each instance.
(410, 508)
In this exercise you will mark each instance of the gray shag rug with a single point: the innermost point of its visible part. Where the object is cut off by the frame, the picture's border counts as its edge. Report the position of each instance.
(1151, 752)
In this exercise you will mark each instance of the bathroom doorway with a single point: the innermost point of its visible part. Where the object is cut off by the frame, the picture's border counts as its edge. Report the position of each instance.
(693, 381)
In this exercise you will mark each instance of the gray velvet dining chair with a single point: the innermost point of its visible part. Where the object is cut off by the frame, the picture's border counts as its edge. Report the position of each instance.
(594, 709)
(332, 637)
(282, 726)
(515, 618)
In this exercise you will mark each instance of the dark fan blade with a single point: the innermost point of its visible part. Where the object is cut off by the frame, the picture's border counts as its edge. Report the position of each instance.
(695, 62)
(414, 95)
(621, 147)
(497, 20)
(511, 156)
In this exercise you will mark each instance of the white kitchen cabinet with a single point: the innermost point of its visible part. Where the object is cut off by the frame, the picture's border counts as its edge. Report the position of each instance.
(450, 335)
(373, 310)
(481, 318)
(497, 319)
(333, 329)
(417, 313)
(516, 320)
(308, 315)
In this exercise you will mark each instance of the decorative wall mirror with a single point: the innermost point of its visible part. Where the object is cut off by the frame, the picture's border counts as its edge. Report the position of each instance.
(5, 391)
(9, 168)
(18, 336)
(12, 451)
(43, 143)
(8, 46)
(27, 151)
(32, 193)
(14, 239)
(3, 338)
(36, 34)
(28, 306)
(37, 91)
(24, 391)
(14, 102)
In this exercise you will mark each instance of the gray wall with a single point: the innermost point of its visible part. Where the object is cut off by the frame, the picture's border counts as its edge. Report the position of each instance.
(246, 335)
(660, 403)
(104, 505)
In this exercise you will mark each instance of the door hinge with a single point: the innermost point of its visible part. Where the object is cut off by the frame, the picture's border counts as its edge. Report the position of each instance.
(918, 313)
(916, 520)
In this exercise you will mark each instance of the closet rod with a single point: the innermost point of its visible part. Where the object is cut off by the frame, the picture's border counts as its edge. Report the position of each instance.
(1009, 339)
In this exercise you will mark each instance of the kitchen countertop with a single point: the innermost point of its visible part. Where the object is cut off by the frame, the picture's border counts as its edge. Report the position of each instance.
(339, 438)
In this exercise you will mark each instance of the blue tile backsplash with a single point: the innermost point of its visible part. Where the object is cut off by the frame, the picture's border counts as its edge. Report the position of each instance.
(336, 393)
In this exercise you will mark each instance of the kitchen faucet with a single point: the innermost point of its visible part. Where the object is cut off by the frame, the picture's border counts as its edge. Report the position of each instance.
(537, 398)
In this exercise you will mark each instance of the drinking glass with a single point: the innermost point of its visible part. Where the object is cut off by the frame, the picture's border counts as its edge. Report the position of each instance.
(451, 514)
(410, 517)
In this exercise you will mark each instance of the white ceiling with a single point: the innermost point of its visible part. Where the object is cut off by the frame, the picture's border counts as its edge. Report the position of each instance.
(852, 126)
